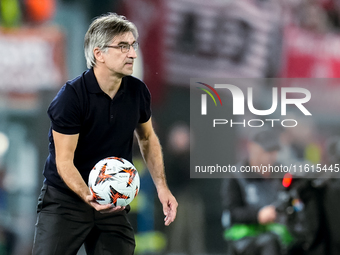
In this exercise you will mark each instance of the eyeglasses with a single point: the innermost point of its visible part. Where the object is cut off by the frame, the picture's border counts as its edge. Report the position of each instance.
(125, 48)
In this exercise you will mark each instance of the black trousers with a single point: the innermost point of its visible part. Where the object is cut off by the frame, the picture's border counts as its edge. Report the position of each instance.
(65, 222)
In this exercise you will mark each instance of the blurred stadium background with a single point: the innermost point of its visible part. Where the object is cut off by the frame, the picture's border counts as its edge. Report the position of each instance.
(41, 46)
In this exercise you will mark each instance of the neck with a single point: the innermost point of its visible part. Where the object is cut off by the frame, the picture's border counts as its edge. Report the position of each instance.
(107, 82)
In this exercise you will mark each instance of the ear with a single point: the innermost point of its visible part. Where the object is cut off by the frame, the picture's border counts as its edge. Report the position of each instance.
(98, 54)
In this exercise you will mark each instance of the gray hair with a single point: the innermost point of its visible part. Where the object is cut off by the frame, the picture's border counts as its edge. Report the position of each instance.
(101, 32)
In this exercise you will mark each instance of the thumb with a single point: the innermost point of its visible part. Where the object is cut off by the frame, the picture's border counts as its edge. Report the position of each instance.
(165, 208)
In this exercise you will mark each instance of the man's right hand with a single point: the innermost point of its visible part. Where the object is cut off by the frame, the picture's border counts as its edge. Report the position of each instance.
(108, 208)
(267, 214)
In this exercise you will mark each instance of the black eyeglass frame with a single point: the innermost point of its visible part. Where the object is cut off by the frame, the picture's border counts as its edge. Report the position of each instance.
(124, 48)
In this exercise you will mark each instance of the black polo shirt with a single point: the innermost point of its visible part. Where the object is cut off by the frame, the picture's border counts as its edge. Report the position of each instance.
(105, 126)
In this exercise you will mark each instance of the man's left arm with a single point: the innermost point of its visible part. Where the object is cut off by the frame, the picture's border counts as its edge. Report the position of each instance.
(152, 154)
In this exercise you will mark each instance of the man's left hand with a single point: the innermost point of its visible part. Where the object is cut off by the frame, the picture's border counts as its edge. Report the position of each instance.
(169, 205)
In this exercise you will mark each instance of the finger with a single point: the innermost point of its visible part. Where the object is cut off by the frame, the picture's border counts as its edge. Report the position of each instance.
(100, 207)
(113, 209)
(168, 221)
(166, 209)
(170, 217)
(107, 208)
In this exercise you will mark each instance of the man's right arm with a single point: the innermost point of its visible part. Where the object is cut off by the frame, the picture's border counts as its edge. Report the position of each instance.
(234, 205)
(65, 146)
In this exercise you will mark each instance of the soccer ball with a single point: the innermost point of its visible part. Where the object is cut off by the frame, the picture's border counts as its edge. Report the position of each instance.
(114, 181)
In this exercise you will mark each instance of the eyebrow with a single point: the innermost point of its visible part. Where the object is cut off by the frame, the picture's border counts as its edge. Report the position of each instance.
(126, 43)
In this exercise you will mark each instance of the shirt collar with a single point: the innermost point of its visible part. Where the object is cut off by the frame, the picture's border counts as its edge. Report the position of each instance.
(91, 82)
(93, 86)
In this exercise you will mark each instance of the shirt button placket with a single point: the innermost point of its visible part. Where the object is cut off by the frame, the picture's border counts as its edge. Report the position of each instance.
(111, 112)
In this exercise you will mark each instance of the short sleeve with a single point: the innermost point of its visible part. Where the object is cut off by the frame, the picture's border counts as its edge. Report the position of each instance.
(64, 111)
(145, 104)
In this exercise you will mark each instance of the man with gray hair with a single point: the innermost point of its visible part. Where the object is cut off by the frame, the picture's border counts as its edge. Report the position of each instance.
(92, 117)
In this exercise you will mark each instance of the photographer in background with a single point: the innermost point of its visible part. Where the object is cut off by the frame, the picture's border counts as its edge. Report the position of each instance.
(248, 214)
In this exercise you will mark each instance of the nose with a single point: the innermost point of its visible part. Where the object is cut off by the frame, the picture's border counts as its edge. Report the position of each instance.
(132, 53)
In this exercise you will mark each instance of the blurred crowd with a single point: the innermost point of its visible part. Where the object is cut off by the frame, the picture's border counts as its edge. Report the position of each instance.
(279, 212)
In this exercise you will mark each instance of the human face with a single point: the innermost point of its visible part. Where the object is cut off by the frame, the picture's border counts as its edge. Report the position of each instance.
(118, 63)
(258, 156)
